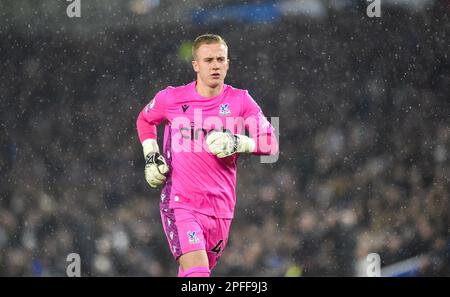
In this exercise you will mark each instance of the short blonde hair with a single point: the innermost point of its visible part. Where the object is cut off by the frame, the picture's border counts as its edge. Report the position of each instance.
(206, 39)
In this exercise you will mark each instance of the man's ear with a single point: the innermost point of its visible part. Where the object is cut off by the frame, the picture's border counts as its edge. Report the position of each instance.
(195, 65)
(228, 64)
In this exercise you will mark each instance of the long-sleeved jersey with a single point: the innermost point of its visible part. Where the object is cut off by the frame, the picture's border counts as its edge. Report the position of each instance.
(198, 180)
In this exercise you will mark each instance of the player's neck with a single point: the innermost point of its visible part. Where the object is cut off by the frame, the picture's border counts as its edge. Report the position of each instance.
(206, 91)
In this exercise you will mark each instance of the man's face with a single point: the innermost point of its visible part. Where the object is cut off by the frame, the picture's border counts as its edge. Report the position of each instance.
(211, 63)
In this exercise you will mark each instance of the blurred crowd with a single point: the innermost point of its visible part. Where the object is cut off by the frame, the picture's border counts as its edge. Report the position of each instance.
(364, 111)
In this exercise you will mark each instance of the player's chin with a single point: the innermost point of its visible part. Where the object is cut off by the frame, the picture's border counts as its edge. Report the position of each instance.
(214, 83)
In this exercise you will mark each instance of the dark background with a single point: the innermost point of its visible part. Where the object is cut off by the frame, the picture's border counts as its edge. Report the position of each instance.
(364, 111)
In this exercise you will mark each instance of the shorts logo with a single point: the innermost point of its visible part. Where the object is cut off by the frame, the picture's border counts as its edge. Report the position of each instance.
(192, 236)
(217, 248)
(224, 109)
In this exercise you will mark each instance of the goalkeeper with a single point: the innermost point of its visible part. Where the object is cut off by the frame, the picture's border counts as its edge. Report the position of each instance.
(205, 123)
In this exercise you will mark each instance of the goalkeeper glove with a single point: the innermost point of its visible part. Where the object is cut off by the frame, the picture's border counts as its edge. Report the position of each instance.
(224, 144)
(156, 167)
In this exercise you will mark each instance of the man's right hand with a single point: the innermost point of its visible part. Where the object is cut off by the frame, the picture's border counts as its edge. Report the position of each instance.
(156, 169)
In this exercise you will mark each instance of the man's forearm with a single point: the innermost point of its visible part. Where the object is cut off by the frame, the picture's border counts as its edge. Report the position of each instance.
(145, 129)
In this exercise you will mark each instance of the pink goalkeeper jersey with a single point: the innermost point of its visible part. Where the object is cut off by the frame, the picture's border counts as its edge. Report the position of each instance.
(198, 180)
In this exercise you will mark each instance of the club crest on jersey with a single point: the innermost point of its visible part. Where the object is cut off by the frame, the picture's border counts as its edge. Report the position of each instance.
(192, 236)
(150, 105)
(224, 109)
